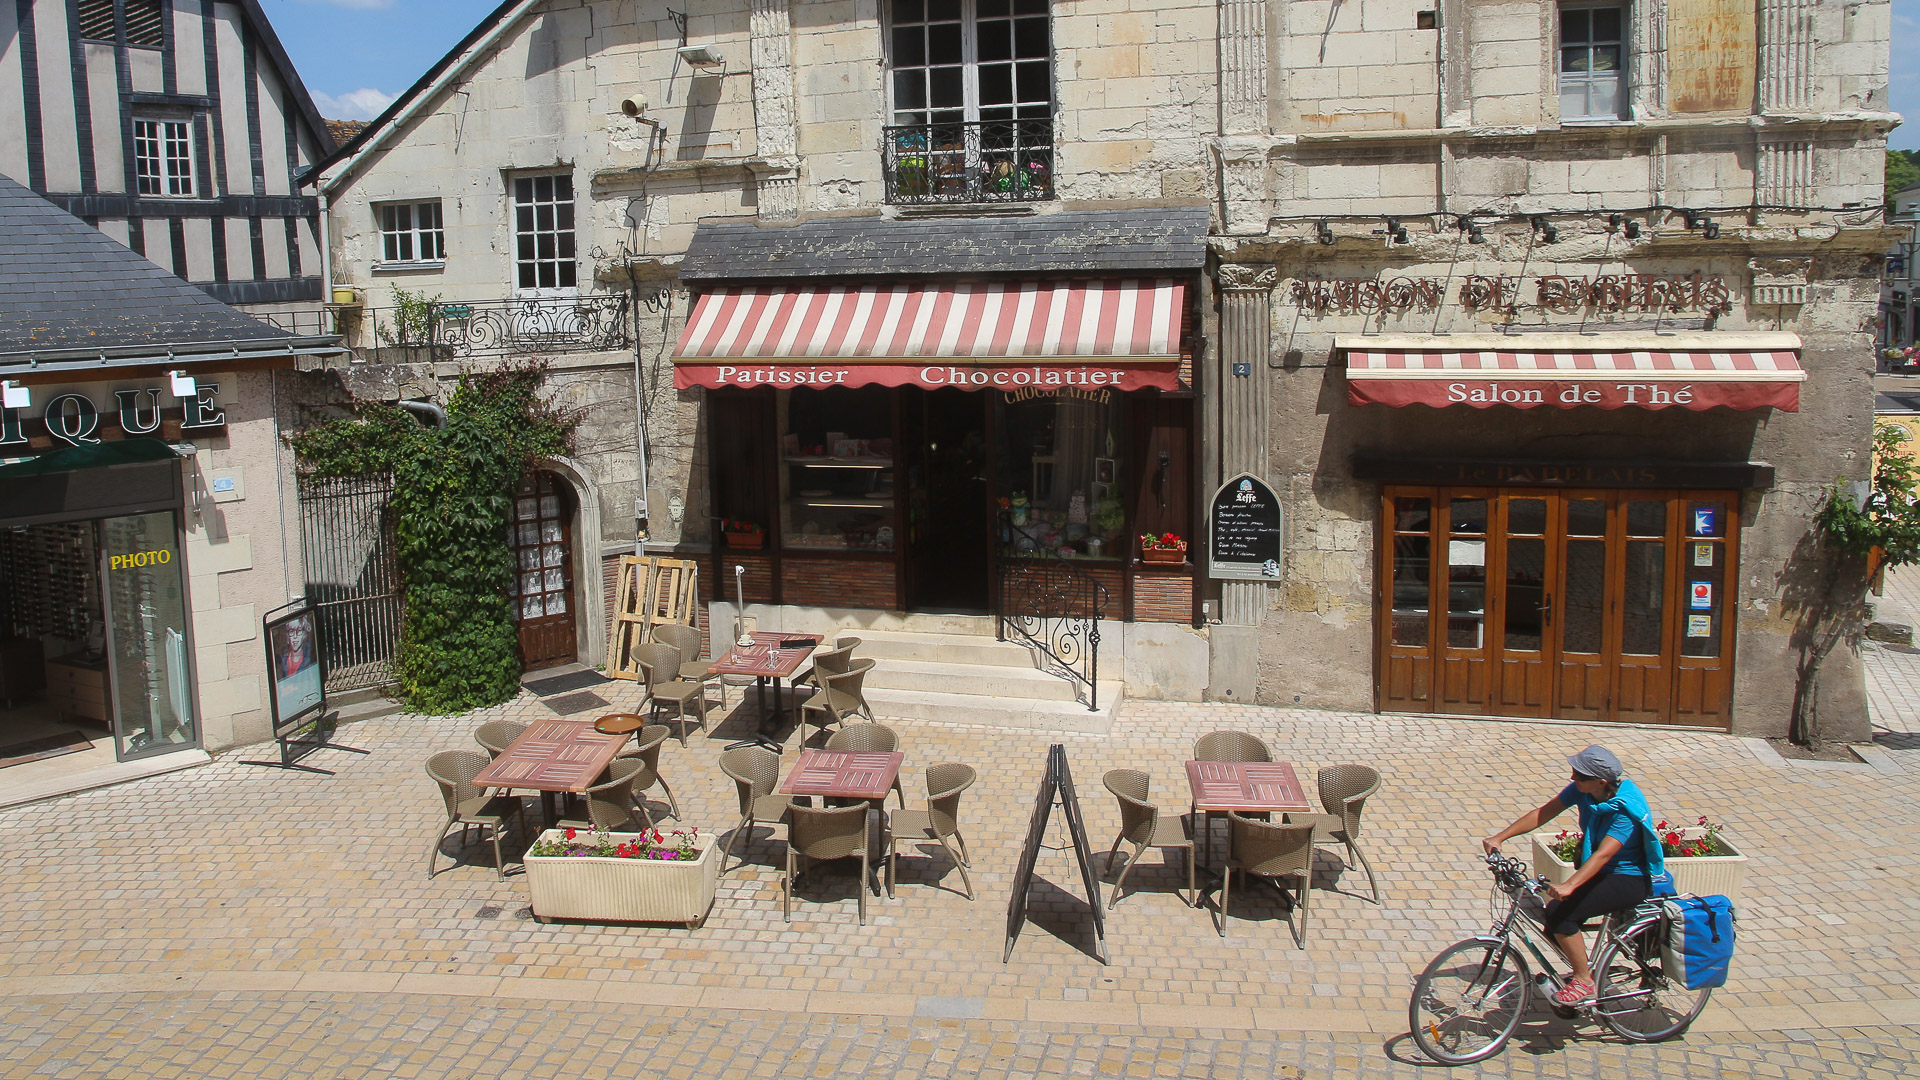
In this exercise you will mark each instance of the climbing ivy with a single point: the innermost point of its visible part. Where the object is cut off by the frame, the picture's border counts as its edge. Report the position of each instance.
(452, 504)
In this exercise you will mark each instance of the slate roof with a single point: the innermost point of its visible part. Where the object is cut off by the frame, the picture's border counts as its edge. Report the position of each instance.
(65, 286)
(1155, 240)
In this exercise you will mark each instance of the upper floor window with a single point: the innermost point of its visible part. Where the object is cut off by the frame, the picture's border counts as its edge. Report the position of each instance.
(1593, 82)
(146, 26)
(971, 83)
(163, 156)
(411, 232)
(543, 232)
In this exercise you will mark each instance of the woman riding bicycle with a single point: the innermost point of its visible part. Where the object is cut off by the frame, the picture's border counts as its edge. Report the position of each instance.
(1619, 859)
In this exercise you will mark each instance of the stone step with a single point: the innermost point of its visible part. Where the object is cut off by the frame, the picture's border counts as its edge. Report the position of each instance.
(1003, 712)
(372, 708)
(955, 649)
(970, 678)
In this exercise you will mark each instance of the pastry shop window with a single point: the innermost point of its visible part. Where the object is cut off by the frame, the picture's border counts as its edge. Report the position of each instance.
(836, 469)
(1060, 477)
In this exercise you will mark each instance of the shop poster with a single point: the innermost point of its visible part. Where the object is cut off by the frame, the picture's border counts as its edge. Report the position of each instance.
(293, 657)
(1703, 554)
(1702, 596)
(1699, 626)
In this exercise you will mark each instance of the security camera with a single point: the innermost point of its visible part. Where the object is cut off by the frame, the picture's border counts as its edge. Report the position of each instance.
(633, 106)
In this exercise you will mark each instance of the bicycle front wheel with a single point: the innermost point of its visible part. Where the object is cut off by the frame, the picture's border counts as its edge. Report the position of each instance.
(1633, 995)
(1468, 1002)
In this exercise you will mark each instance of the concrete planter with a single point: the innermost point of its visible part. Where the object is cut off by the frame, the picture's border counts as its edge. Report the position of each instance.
(1707, 875)
(595, 889)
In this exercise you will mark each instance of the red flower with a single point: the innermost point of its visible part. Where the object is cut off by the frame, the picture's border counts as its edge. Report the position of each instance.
(1673, 838)
(1662, 826)
(1703, 819)
(570, 834)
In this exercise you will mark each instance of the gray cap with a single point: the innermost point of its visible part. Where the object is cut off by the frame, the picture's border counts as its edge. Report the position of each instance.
(1597, 762)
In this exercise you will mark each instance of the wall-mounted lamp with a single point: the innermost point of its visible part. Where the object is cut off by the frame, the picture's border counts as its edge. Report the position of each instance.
(1475, 234)
(1396, 232)
(14, 396)
(1709, 228)
(1691, 217)
(1631, 229)
(181, 383)
(1548, 234)
(1323, 232)
(701, 56)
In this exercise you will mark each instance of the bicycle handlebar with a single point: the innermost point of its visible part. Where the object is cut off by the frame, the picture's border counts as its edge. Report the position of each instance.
(1511, 874)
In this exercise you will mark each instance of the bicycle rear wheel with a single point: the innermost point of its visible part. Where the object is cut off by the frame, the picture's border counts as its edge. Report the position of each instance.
(1633, 995)
(1468, 1002)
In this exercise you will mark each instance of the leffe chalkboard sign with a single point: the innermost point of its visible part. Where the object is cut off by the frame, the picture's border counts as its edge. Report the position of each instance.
(1058, 781)
(1244, 540)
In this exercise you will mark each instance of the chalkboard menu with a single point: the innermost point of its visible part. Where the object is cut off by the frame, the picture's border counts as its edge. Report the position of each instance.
(1245, 533)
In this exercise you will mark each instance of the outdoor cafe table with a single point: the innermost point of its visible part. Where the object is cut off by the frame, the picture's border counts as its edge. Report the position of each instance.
(846, 774)
(552, 756)
(1224, 787)
(767, 662)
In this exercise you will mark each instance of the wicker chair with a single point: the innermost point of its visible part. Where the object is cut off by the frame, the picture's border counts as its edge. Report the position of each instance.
(646, 750)
(833, 661)
(692, 668)
(938, 822)
(660, 663)
(1344, 790)
(755, 771)
(1269, 851)
(1230, 746)
(869, 739)
(495, 736)
(467, 805)
(1142, 826)
(822, 835)
(612, 803)
(843, 695)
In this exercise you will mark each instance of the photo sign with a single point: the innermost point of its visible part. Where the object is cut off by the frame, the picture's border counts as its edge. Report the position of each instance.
(1245, 531)
(295, 673)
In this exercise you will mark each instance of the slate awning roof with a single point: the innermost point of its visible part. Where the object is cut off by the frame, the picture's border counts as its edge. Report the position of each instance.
(1108, 243)
(73, 298)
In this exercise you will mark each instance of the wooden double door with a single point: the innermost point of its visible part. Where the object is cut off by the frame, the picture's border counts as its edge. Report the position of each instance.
(542, 541)
(1609, 605)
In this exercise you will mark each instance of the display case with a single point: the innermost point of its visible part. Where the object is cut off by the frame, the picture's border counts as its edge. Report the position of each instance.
(838, 503)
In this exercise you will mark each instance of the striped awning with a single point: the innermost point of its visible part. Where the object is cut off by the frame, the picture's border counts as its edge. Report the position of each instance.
(1118, 334)
(1567, 378)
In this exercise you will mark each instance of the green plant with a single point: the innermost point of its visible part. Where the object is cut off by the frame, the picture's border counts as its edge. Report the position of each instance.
(1163, 542)
(452, 505)
(1673, 845)
(1885, 527)
(737, 526)
(416, 316)
(682, 845)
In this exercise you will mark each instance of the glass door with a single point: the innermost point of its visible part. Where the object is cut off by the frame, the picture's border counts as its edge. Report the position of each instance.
(149, 641)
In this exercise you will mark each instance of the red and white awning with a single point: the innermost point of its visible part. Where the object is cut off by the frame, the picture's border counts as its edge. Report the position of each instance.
(1750, 378)
(1120, 334)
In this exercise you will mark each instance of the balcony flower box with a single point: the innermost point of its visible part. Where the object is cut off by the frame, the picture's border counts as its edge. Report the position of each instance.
(592, 888)
(1703, 875)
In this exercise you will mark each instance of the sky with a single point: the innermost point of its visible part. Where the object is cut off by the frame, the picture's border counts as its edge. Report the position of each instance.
(356, 55)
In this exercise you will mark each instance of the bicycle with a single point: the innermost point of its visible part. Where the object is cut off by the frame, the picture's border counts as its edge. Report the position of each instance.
(1468, 1002)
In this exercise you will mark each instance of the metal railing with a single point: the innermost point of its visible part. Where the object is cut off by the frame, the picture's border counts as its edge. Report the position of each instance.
(522, 325)
(982, 161)
(353, 578)
(1055, 608)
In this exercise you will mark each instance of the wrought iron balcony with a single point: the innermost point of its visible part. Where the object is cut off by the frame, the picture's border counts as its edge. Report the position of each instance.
(984, 161)
(523, 325)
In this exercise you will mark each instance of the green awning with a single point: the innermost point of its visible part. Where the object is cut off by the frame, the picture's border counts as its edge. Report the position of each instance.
(91, 456)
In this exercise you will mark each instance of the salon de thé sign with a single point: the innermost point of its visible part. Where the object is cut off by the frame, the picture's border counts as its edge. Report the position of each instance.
(1564, 293)
(74, 419)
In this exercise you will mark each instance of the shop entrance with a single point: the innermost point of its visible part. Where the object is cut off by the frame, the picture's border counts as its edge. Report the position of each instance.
(1606, 605)
(948, 517)
(542, 545)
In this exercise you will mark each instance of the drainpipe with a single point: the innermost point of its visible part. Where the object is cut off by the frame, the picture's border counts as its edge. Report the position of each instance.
(326, 250)
(430, 414)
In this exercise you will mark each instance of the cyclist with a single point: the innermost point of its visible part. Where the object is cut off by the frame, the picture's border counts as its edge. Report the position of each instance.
(1613, 873)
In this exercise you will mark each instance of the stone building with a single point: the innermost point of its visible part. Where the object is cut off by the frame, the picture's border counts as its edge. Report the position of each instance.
(1541, 329)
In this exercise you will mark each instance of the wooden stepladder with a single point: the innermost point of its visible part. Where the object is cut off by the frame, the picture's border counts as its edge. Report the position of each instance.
(650, 591)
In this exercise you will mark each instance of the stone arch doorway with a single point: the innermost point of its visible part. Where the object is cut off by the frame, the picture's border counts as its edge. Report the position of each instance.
(544, 598)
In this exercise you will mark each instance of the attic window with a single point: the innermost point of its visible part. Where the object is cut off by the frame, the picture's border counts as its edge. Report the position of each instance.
(146, 25)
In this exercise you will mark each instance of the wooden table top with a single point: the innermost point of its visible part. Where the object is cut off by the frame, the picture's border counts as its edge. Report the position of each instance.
(843, 774)
(553, 755)
(764, 659)
(1245, 785)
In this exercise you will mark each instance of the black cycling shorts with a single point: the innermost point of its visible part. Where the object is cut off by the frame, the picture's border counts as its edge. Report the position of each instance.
(1604, 895)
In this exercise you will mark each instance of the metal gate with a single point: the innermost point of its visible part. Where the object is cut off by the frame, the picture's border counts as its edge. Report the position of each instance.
(353, 582)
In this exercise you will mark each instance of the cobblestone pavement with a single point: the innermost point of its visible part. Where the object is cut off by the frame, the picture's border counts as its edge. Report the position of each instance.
(235, 920)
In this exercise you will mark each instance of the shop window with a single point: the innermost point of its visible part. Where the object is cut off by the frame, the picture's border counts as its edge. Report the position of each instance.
(543, 243)
(1592, 63)
(163, 156)
(1060, 470)
(411, 232)
(837, 469)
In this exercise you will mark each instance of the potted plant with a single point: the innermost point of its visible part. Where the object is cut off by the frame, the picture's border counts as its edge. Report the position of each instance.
(1165, 549)
(1700, 858)
(743, 535)
(623, 877)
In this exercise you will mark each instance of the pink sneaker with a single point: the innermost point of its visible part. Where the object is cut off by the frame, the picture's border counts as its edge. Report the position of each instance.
(1576, 992)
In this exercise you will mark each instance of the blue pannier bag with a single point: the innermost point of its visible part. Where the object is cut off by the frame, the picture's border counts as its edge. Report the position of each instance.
(1699, 940)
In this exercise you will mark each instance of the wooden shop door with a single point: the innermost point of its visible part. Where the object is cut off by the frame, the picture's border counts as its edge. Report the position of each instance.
(542, 542)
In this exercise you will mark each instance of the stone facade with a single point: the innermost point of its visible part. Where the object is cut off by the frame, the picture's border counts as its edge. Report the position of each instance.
(1305, 125)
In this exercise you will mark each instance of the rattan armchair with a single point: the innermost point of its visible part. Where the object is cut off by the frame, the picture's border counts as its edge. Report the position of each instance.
(466, 804)
(611, 803)
(755, 772)
(692, 668)
(646, 750)
(841, 695)
(939, 822)
(660, 663)
(1142, 825)
(1344, 790)
(1230, 746)
(822, 835)
(869, 739)
(1269, 851)
(495, 736)
(832, 661)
